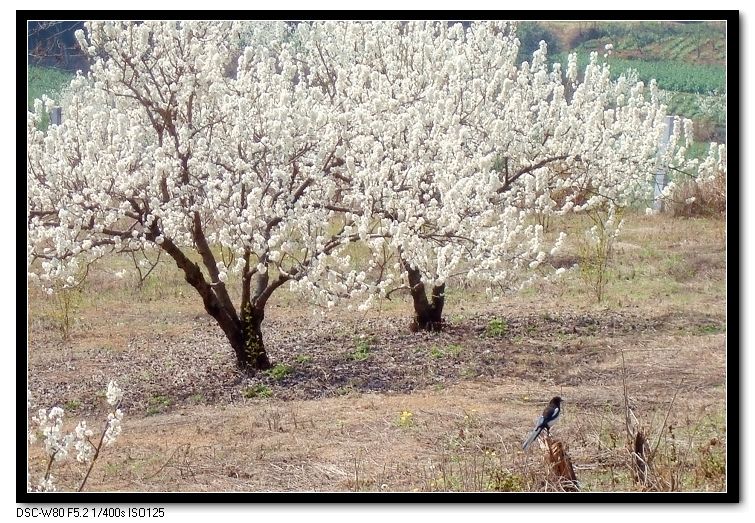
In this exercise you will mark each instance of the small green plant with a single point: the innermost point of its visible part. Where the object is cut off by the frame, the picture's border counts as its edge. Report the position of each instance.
(158, 404)
(259, 390)
(72, 405)
(362, 350)
(279, 371)
(303, 358)
(711, 329)
(197, 399)
(465, 467)
(497, 327)
(453, 351)
(503, 480)
(470, 371)
(678, 268)
(457, 319)
(712, 461)
(345, 390)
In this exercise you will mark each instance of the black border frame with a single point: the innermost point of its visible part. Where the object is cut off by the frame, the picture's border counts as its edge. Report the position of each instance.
(733, 383)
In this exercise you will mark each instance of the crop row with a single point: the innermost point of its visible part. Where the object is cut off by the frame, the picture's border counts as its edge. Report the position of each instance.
(672, 76)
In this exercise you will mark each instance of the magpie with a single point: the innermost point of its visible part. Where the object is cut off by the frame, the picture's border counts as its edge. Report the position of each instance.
(549, 417)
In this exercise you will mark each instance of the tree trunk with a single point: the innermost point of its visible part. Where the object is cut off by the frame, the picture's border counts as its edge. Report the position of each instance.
(250, 348)
(428, 314)
(243, 332)
(245, 337)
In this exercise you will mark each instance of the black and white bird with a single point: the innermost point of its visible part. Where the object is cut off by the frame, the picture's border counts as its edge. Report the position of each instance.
(549, 417)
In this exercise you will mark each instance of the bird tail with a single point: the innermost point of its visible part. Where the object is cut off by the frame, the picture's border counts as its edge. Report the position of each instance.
(532, 437)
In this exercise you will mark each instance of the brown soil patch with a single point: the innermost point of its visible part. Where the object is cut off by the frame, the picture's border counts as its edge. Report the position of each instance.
(191, 363)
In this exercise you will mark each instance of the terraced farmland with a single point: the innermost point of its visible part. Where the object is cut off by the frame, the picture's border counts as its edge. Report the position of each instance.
(670, 75)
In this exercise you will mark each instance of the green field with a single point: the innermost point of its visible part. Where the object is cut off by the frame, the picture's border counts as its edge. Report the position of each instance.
(45, 81)
(688, 60)
(670, 75)
(698, 43)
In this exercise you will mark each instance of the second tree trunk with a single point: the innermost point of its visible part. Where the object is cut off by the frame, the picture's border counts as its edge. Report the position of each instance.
(428, 314)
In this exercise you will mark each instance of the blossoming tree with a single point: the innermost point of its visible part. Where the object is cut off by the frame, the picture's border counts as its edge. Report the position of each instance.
(466, 150)
(160, 149)
(428, 192)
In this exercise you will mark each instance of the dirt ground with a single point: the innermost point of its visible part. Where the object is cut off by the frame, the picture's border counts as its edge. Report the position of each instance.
(358, 402)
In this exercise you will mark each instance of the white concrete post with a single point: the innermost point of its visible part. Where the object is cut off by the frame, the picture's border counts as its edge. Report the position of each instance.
(661, 178)
(56, 115)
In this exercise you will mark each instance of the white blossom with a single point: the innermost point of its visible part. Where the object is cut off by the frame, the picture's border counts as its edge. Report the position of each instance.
(114, 393)
(113, 427)
(59, 446)
(84, 448)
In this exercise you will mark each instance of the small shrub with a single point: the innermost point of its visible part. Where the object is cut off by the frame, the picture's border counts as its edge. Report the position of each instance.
(72, 405)
(678, 268)
(274, 418)
(345, 390)
(592, 33)
(362, 351)
(453, 351)
(470, 371)
(503, 480)
(279, 371)
(158, 404)
(257, 391)
(197, 399)
(713, 461)
(303, 358)
(497, 327)
(596, 248)
(66, 302)
(700, 199)
(472, 469)
(711, 329)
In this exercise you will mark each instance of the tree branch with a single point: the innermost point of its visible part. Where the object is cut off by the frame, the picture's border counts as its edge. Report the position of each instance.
(208, 259)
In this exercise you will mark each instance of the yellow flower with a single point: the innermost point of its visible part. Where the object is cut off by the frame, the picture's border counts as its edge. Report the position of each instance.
(405, 418)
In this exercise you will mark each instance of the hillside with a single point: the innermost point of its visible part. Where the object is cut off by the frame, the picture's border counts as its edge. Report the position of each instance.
(687, 59)
(702, 43)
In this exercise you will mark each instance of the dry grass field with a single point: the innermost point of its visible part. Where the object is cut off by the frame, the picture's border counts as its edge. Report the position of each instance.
(357, 402)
